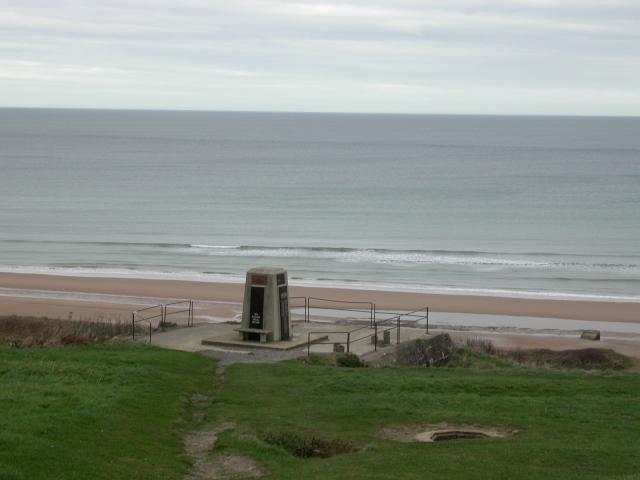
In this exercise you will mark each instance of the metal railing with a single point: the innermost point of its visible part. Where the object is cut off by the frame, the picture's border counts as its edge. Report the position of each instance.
(306, 306)
(414, 317)
(161, 312)
(347, 338)
(187, 307)
(393, 322)
(141, 316)
(347, 306)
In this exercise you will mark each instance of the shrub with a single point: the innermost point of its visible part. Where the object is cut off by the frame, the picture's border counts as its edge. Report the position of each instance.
(350, 360)
(586, 358)
(307, 446)
(482, 345)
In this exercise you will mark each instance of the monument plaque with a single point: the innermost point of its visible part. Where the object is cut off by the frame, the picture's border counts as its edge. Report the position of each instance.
(265, 312)
(257, 307)
(284, 312)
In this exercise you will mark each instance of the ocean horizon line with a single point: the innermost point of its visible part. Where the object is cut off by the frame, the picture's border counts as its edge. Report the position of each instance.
(319, 112)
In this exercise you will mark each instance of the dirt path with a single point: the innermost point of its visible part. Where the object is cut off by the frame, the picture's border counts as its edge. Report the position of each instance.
(207, 465)
(199, 446)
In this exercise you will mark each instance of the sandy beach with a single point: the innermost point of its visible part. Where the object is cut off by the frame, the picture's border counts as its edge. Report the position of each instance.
(30, 294)
(91, 298)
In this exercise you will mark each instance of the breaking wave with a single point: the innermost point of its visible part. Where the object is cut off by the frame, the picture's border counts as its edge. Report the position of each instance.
(423, 257)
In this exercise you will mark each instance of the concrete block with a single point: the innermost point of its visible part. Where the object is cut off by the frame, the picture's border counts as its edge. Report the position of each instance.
(591, 335)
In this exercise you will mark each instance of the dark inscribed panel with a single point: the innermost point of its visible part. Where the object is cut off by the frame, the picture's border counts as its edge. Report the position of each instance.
(284, 312)
(256, 311)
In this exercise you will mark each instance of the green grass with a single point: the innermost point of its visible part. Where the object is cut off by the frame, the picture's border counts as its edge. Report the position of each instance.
(572, 424)
(119, 412)
(100, 412)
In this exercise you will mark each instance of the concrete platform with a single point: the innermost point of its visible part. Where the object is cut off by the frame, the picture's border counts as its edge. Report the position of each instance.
(224, 337)
(227, 339)
(323, 336)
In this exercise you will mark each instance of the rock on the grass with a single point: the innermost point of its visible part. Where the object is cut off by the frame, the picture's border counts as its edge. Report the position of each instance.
(591, 335)
(422, 352)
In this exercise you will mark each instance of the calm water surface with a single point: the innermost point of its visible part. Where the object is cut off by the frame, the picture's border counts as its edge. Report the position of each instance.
(441, 203)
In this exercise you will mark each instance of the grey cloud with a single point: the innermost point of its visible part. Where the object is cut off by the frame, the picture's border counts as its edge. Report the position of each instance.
(405, 55)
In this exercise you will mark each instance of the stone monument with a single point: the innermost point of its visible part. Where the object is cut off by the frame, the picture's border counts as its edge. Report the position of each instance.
(265, 310)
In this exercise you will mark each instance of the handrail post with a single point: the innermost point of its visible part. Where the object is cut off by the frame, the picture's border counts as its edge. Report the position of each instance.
(308, 344)
(133, 326)
(427, 320)
(398, 333)
(348, 341)
(373, 314)
(375, 337)
(163, 315)
(149, 332)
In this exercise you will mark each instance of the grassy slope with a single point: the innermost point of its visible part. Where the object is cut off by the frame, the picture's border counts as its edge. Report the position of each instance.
(572, 425)
(109, 412)
(114, 412)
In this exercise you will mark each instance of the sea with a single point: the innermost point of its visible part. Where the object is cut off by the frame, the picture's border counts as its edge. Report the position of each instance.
(485, 205)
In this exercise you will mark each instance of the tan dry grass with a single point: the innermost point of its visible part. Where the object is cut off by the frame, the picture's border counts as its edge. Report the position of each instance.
(27, 332)
(585, 358)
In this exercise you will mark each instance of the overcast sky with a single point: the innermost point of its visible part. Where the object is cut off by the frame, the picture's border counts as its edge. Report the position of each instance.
(576, 57)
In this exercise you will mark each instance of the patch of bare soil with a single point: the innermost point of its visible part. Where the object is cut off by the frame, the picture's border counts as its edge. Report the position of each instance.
(199, 447)
(195, 403)
(232, 465)
(427, 433)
